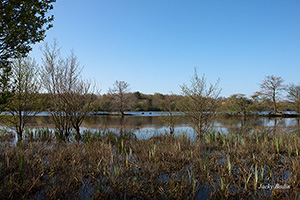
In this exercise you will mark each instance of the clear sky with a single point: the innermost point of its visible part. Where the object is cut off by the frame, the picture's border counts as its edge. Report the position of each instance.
(154, 45)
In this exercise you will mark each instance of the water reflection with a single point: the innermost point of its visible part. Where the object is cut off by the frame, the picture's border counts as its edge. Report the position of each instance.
(145, 126)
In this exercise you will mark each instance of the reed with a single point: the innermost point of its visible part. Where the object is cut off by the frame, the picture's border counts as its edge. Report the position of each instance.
(6, 135)
(107, 164)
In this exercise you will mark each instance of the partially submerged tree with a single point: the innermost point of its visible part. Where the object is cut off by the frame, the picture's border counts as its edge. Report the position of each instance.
(271, 87)
(22, 23)
(53, 73)
(71, 96)
(81, 99)
(24, 102)
(119, 91)
(168, 106)
(294, 96)
(200, 103)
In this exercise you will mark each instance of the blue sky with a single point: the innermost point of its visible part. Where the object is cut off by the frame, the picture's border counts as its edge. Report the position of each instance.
(154, 45)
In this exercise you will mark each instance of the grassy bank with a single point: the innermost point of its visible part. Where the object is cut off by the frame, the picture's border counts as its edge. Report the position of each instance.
(261, 164)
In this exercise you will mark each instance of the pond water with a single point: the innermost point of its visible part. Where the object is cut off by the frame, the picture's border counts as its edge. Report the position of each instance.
(147, 124)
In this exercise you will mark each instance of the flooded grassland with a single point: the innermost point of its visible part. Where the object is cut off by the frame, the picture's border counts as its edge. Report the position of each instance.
(136, 158)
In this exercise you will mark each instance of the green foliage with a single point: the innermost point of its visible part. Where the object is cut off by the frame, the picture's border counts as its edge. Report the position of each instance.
(237, 104)
(43, 134)
(103, 103)
(5, 92)
(23, 102)
(22, 23)
(21, 164)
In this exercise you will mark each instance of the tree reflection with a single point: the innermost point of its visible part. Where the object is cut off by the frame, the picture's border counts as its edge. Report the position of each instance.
(241, 125)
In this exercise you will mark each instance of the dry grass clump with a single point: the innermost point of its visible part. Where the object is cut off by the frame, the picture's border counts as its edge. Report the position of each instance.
(120, 166)
(6, 135)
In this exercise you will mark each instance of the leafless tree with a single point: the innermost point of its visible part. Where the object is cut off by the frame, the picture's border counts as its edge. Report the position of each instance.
(71, 96)
(200, 103)
(271, 87)
(24, 102)
(53, 81)
(81, 100)
(294, 96)
(120, 95)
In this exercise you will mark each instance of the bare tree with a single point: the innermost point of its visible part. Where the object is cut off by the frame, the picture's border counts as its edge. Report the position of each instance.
(24, 102)
(53, 79)
(71, 96)
(120, 95)
(81, 100)
(294, 96)
(200, 103)
(271, 87)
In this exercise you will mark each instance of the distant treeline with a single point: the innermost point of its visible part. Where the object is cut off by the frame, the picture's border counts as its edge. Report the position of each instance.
(235, 104)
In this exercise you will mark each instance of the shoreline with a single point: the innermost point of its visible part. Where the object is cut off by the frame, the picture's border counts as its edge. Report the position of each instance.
(271, 115)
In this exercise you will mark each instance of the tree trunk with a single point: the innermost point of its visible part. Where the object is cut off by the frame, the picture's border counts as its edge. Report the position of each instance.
(19, 132)
(171, 130)
(122, 113)
(274, 103)
(19, 128)
(77, 136)
(199, 131)
(275, 108)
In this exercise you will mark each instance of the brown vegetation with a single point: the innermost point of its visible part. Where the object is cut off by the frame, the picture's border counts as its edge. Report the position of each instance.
(71, 96)
(108, 165)
(200, 103)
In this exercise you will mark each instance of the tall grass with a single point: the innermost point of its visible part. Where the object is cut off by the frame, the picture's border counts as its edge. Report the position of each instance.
(6, 135)
(106, 164)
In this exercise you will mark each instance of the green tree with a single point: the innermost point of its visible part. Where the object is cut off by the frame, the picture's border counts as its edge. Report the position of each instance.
(259, 102)
(22, 23)
(24, 101)
(103, 103)
(238, 104)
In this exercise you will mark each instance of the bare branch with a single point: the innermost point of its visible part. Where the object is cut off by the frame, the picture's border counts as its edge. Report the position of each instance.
(200, 102)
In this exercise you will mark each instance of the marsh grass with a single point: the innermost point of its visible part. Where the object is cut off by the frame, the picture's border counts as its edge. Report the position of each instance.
(106, 164)
(6, 135)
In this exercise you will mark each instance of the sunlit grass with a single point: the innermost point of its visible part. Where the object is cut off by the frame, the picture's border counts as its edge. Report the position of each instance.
(110, 164)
